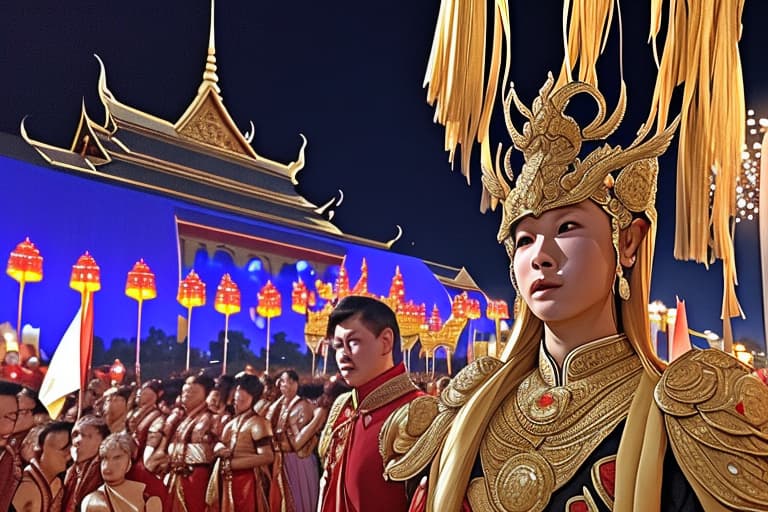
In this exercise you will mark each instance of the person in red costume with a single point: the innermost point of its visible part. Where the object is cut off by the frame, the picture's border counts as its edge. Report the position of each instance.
(84, 476)
(241, 474)
(10, 469)
(364, 333)
(188, 437)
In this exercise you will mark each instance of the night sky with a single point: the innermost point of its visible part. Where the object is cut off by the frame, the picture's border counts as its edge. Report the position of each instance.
(348, 75)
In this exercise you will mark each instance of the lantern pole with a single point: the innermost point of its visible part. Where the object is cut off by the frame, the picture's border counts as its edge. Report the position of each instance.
(226, 344)
(269, 318)
(325, 356)
(138, 345)
(22, 282)
(189, 333)
(83, 309)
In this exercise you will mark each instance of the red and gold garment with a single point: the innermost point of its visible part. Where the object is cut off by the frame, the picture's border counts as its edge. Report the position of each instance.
(353, 467)
(191, 455)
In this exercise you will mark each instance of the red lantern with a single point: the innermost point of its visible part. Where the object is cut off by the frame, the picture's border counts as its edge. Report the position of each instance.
(117, 372)
(299, 297)
(227, 300)
(140, 286)
(86, 275)
(473, 309)
(270, 301)
(191, 291)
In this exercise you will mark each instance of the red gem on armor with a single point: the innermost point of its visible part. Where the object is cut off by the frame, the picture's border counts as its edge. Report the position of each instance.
(607, 473)
(578, 506)
(740, 408)
(545, 400)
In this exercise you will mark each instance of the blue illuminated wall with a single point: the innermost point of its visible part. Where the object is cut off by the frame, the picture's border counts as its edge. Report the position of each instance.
(65, 214)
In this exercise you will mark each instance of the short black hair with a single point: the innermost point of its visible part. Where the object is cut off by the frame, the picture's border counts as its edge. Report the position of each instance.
(291, 374)
(52, 428)
(8, 388)
(203, 380)
(251, 384)
(374, 314)
(96, 422)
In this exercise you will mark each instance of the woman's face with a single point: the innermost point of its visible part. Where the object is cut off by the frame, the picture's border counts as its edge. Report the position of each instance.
(564, 262)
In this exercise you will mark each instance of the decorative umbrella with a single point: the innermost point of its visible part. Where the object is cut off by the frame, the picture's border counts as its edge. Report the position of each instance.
(25, 265)
(140, 286)
(269, 306)
(227, 303)
(86, 279)
(191, 295)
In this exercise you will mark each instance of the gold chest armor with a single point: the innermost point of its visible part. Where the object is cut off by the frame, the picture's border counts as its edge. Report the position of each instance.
(546, 429)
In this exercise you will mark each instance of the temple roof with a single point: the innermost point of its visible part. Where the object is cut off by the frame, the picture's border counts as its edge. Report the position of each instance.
(203, 157)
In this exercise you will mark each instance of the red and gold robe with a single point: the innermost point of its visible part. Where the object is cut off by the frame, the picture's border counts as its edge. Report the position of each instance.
(10, 475)
(242, 490)
(353, 468)
(191, 458)
(81, 479)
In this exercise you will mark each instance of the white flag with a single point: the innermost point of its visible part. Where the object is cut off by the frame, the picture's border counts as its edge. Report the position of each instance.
(63, 376)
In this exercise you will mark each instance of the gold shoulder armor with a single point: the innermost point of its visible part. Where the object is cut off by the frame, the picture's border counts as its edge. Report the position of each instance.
(716, 416)
(333, 415)
(412, 435)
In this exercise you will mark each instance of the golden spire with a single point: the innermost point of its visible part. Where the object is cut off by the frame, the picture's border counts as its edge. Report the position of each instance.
(206, 119)
(210, 78)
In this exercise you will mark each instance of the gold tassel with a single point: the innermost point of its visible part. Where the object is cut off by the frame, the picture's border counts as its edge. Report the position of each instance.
(588, 30)
(701, 49)
(456, 74)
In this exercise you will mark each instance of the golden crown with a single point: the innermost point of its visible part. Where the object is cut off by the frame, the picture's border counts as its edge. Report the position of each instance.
(622, 181)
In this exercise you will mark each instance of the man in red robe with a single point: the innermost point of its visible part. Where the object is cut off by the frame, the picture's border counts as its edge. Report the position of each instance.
(84, 476)
(186, 450)
(364, 333)
(10, 469)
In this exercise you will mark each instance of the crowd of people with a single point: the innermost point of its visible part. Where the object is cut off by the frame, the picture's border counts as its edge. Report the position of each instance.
(197, 443)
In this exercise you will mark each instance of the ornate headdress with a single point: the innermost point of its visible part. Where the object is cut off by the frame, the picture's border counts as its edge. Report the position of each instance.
(621, 181)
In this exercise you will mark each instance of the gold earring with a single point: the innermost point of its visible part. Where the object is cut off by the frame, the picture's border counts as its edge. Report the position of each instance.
(622, 281)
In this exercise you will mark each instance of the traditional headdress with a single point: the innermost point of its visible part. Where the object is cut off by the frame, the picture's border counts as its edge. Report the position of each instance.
(621, 181)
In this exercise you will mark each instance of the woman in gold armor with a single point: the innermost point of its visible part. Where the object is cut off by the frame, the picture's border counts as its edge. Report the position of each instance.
(579, 414)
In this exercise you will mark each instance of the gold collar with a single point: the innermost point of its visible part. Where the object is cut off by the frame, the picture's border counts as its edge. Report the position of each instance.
(584, 360)
(545, 430)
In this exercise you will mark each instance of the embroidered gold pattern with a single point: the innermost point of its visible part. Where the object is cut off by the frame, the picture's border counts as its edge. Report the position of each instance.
(532, 446)
(716, 415)
(412, 434)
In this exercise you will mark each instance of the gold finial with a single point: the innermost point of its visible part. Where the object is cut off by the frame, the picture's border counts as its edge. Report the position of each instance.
(210, 78)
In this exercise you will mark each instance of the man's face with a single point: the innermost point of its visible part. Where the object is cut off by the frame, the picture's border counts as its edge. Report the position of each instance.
(147, 396)
(9, 407)
(114, 465)
(115, 406)
(55, 455)
(288, 386)
(85, 442)
(242, 401)
(360, 354)
(213, 400)
(25, 419)
(192, 394)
